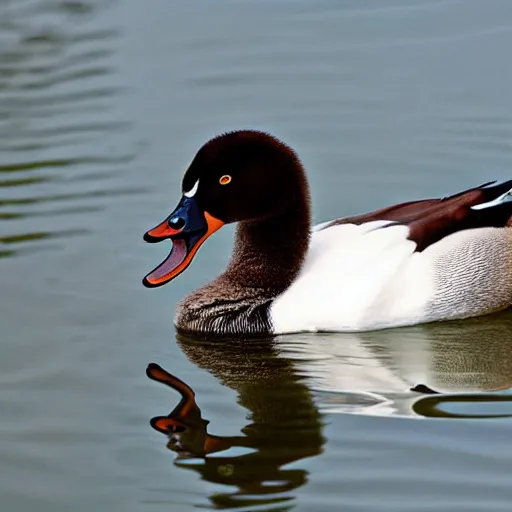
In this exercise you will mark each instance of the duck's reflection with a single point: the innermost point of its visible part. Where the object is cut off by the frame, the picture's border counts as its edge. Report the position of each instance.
(285, 424)
(285, 382)
(469, 357)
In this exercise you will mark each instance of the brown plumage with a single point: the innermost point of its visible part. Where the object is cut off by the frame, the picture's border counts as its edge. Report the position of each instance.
(269, 197)
(430, 220)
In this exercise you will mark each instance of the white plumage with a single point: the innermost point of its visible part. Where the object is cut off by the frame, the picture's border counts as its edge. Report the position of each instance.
(368, 276)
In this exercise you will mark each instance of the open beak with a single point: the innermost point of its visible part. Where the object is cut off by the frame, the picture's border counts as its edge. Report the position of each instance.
(188, 227)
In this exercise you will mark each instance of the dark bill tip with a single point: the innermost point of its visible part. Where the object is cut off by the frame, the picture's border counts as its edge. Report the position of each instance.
(150, 239)
(149, 284)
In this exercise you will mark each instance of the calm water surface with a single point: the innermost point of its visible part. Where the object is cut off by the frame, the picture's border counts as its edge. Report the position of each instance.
(102, 106)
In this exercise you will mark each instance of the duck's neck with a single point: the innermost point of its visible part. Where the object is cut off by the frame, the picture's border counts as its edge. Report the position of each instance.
(267, 256)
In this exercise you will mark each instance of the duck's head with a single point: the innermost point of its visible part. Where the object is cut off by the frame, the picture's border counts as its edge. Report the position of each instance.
(241, 176)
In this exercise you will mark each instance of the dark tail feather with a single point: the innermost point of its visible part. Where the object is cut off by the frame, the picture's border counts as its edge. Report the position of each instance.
(497, 195)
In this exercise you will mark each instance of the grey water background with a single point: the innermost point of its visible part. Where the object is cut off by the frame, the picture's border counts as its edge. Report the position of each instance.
(102, 106)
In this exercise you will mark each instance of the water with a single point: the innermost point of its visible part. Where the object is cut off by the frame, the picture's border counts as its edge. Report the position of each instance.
(102, 106)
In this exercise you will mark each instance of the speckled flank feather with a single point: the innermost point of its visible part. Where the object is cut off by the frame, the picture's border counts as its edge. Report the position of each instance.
(472, 273)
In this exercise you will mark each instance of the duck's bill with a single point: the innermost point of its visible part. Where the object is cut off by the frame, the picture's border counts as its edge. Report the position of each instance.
(187, 227)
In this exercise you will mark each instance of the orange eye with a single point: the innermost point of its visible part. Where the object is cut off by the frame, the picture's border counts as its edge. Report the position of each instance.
(224, 180)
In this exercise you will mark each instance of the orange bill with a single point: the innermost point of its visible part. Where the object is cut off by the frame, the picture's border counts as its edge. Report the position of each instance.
(188, 228)
(161, 232)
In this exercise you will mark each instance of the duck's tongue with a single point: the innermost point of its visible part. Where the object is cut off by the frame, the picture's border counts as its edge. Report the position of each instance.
(176, 257)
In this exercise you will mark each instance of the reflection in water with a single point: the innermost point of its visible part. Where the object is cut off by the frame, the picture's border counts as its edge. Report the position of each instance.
(285, 425)
(434, 407)
(452, 357)
(435, 370)
(56, 119)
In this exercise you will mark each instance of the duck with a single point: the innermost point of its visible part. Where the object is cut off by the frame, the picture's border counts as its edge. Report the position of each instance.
(411, 263)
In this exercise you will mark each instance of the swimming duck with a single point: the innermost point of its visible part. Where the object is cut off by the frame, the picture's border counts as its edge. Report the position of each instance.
(415, 262)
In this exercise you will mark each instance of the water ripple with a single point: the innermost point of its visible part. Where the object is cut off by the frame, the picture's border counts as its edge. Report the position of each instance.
(57, 95)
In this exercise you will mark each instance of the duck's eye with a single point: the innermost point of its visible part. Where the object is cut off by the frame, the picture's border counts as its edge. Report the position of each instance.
(224, 180)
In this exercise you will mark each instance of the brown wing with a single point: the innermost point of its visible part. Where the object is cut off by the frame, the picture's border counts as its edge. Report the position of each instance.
(430, 220)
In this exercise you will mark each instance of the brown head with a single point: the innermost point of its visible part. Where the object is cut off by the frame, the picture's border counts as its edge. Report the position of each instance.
(243, 176)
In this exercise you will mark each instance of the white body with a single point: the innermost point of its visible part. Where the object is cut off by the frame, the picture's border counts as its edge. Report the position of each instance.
(366, 277)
